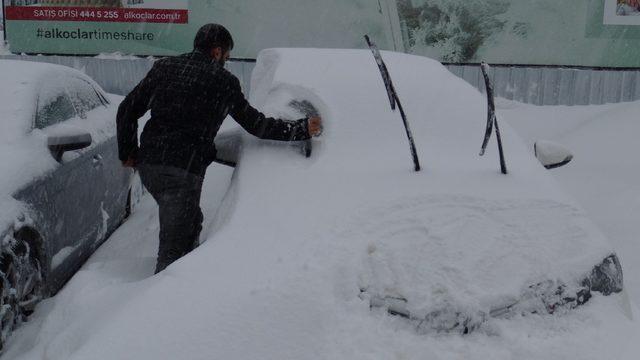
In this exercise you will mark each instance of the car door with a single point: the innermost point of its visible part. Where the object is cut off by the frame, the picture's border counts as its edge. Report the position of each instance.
(68, 200)
(116, 179)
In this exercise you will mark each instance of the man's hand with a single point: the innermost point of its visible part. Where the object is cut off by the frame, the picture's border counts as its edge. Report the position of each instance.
(130, 163)
(315, 126)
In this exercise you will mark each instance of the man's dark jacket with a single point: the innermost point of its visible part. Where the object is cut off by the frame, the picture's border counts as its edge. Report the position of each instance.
(189, 96)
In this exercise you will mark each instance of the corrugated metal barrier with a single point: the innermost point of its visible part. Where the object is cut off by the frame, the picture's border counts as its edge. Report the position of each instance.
(538, 85)
(556, 85)
(120, 76)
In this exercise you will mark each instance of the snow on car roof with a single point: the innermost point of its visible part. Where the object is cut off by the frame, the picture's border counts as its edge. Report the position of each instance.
(17, 94)
(19, 89)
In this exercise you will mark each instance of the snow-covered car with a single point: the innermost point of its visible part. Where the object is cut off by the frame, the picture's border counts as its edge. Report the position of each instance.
(352, 254)
(448, 247)
(62, 188)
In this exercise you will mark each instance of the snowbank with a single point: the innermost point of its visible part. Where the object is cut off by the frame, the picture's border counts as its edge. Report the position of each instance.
(604, 175)
(297, 239)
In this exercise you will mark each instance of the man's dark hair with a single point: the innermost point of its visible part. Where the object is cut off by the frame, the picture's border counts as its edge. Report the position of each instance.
(211, 36)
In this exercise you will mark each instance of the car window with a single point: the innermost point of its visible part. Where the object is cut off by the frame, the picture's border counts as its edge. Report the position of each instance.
(56, 109)
(83, 96)
(62, 100)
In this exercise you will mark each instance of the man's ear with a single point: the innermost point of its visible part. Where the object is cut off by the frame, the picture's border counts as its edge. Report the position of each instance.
(216, 53)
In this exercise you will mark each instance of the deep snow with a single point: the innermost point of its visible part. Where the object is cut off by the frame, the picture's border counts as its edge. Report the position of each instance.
(296, 238)
(604, 175)
(63, 323)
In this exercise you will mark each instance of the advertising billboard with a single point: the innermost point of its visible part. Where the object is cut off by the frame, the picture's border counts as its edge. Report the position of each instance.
(167, 27)
(593, 33)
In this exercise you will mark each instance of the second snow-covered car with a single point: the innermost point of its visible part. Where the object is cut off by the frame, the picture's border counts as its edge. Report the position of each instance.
(63, 188)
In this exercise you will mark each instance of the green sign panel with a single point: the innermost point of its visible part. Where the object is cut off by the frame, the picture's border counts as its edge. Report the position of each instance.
(167, 27)
(572, 32)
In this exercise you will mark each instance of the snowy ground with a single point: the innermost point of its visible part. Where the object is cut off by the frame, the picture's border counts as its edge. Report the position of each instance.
(264, 287)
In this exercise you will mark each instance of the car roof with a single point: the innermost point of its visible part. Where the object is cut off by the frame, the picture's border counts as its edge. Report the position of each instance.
(21, 81)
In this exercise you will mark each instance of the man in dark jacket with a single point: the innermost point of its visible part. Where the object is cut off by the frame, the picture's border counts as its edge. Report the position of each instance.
(189, 96)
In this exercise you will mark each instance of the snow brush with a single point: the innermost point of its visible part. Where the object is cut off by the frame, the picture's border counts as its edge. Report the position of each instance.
(393, 98)
(492, 121)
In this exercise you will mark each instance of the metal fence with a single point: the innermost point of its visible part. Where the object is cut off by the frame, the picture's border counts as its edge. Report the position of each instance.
(533, 85)
(556, 85)
(120, 76)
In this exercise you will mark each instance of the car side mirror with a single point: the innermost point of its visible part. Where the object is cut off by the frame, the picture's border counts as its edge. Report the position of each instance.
(67, 139)
(552, 155)
(228, 147)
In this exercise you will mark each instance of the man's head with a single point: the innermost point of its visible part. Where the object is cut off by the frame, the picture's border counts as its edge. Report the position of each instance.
(214, 40)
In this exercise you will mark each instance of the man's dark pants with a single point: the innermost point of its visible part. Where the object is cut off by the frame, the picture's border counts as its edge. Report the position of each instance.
(177, 193)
